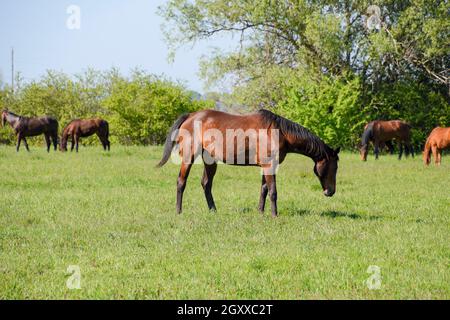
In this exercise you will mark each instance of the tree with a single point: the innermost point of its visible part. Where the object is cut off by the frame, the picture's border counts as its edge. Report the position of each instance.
(304, 58)
(319, 37)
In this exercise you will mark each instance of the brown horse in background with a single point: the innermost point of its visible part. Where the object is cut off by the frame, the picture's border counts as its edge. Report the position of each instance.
(438, 140)
(81, 128)
(29, 127)
(191, 133)
(381, 132)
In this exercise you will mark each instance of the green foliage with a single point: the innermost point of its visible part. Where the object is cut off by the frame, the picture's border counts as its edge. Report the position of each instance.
(320, 64)
(144, 107)
(414, 103)
(140, 109)
(330, 108)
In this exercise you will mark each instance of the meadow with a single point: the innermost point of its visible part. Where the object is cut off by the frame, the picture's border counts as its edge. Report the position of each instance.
(113, 215)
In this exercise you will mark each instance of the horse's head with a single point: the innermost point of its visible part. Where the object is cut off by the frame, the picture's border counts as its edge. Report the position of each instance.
(363, 151)
(326, 169)
(63, 144)
(4, 114)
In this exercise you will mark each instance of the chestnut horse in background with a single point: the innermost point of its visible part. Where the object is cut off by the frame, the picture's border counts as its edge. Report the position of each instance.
(81, 128)
(438, 140)
(29, 127)
(382, 132)
(285, 137)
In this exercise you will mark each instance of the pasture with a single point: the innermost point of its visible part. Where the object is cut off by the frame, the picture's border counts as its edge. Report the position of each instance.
(113, 215)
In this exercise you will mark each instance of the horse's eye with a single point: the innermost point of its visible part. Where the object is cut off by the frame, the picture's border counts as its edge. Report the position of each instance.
(315, 171)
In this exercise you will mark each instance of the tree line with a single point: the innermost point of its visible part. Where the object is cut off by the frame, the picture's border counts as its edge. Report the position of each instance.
(140, 108)
(331, 65)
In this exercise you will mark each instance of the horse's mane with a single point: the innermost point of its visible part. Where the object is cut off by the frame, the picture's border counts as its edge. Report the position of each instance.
(367, 134)
(14, 114)
(315, 147)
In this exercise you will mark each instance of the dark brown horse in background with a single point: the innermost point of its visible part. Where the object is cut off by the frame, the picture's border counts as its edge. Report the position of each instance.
(29, 127)
(81, 128)
(292, 138)
(438, 140)
(382, 132)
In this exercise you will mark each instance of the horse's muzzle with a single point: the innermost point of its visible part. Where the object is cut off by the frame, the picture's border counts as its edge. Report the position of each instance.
(328, 193)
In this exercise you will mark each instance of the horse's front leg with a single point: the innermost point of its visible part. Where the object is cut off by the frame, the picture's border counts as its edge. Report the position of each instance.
(207, 180)
(77, 141)
(272, 187)
(19, 138)
(263, 196)
(376, 149)
(72, 142)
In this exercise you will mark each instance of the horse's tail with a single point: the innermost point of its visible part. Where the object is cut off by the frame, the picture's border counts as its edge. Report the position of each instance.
(105, 126)
(427, 152)
(367, 134)
(171, 138)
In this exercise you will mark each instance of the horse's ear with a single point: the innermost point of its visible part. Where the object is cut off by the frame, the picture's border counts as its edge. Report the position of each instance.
(337, 150)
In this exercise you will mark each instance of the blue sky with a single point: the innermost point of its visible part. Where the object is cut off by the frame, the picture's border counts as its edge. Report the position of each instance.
(123, 34)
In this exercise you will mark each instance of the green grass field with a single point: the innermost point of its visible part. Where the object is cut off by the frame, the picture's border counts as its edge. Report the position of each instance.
(113, 215)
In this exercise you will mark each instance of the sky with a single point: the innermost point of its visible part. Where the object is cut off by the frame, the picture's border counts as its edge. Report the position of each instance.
(112, 33)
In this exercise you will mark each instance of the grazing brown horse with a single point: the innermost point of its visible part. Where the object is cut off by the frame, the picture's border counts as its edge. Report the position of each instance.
(81, 128)
(259, 139)
(30, 127)
(382, 132)
(438, 140)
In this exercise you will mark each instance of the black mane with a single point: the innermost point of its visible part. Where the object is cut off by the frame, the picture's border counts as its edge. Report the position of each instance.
(367, 135)
(315, 147)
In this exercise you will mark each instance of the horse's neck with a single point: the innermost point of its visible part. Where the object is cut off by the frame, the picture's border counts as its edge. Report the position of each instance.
(309, 148)
(12, 120)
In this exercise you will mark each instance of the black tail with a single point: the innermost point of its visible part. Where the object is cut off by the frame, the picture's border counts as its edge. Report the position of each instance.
(170, 139)
(367, 135)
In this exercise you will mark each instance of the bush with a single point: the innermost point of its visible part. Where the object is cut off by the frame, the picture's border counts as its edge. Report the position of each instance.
(414, 103)
(330, 108)
(140, 109)
(336, 109)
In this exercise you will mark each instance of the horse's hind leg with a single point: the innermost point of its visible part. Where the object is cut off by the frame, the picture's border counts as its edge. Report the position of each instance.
(55, 141)
(411, 149)
(263, 196)
(47, 141)
(390, 147)
(181, 183)
(401, 151)
(102, 140)
(19, 138)
(207, 180)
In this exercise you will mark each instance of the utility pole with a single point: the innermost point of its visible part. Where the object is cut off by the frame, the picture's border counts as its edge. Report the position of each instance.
(12, 69)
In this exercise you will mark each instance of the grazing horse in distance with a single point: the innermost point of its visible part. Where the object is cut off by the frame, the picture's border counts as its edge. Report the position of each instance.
(237, 142)
(81, 128)
(382, 132)
(438, 140)
(32, 126)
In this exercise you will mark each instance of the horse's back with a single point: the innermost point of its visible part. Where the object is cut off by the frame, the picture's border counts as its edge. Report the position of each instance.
(223, 120)
(440, 136)
(41, 125)
(390, 129)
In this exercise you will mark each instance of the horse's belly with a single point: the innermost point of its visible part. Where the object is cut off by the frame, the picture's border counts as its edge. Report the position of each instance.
(34, 132)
